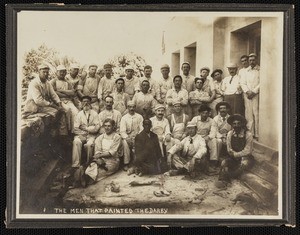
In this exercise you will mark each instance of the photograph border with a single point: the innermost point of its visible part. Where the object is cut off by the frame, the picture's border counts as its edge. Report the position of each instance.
(288, 127)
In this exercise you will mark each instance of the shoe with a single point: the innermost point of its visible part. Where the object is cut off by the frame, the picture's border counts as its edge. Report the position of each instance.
(125, 168)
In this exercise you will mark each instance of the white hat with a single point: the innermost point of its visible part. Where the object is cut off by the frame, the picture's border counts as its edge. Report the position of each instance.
(191, 124)
(158, 106)
(129, 67)
(60, 67)
(232, 65)
(74, 66)
(43, 66)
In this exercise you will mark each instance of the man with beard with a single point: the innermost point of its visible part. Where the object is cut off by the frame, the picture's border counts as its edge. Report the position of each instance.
(223, 127)
(178, 120)
(183, 156)
(250, 85)
(144, 101)
(217, 80)
(231, 87)
(131, 82)
(66, 93)
(120, 97)
(164, 84)
(177, 93)
(198, 96)
(106, 159)
(106, 84)
(109, 113)
(86, 127)
(130, 126)
(88, 86)
(73, 78)
(147, 151)
(239, 148)
(207, 129)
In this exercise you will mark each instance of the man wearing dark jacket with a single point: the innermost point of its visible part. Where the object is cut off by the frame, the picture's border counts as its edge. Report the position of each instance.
(147, 151)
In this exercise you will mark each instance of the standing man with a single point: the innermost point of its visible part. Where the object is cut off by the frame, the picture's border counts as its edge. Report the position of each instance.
(106, 84)
(73, 78)
(217, 80)
(147, 72)
(131, 82)
(188, 82)
(88, 86)
(178, 120)
(250, 85)
(177, 93)
(86, 127)
(239, 148)
(120, 97)
(66, 93)
(223, 127)
(147, 151)
(161, 126)
(198, 96)
(144, 101)
(183, 156)
(131, 124)
(245, 63)
(109, 113)
(207, 128)
(208, 84)
(41, 98)
(164, 84)
(232, 90)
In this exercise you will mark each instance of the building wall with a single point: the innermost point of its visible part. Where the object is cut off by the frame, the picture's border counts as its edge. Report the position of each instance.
(220, 43)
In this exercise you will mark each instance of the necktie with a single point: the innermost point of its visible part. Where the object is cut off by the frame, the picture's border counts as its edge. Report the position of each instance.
(223, 118)
(231, 80)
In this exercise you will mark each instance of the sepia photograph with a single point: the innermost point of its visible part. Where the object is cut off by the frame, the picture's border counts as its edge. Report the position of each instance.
(149, 114)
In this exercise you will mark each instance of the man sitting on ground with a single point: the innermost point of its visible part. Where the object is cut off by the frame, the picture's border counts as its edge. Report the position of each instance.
(183, 156)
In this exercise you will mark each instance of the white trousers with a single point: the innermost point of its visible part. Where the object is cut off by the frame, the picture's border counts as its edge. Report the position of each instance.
(251, 114)
(77, 146)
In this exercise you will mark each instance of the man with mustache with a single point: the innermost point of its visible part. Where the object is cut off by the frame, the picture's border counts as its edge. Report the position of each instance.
(165, 83)
(223, 127)
(88, 86)
(109, 113)
(131, 82)
(73, 78)
(120, 97)
(86, 127)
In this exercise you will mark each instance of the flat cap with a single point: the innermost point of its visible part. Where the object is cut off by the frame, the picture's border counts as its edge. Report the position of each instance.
(159, 106)
(176, 101)
(60, 67)
(232, 65)
(129, 67)
(185, 62)
(216, 71)
(74, 66)
(252, 54)
(107, 66)
(43, 66)
(224, 103)
(131, 103)
(165, 66)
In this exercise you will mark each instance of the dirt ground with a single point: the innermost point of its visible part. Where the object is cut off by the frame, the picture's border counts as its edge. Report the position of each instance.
(182, 195)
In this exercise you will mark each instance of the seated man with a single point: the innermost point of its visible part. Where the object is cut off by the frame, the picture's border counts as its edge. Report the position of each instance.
(107, 153)
(207, 128)
(86, 127)
(110, 113)
(223, 127)
(41, 98)
(178, 120)
(183, 155)
(131, 124)
(147, 151)
(144, 101)
(239, 148)
(66, 93)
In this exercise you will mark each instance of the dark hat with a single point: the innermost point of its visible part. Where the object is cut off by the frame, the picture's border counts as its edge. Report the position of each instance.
(235, 117)
(216, 71)
(222, 103)
(118, 79)
(86, 97)
(203, 107)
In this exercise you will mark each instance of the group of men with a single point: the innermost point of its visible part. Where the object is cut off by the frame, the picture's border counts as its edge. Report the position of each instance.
(152, 126)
